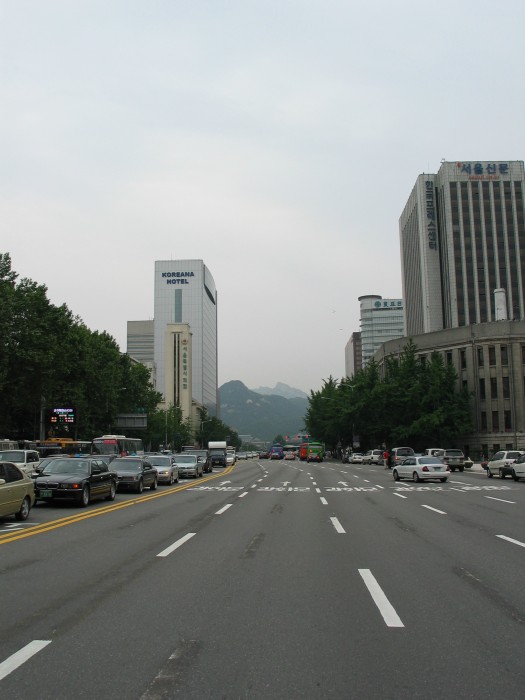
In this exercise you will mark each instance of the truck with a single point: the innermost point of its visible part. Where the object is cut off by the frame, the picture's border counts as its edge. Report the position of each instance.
(217, 450)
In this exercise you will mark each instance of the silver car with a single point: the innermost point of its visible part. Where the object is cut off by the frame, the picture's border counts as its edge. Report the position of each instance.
(188, 465)
(166, 468)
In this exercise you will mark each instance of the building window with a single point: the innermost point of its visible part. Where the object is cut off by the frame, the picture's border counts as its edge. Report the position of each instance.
(506, 387)
(449, 357)
(495, 421)
(492, 355)
(523, 354)
(480, 356)
(493, 388)
(504, 355)
(482, 394)
(463, 359)
(484, 421)
(508, 420)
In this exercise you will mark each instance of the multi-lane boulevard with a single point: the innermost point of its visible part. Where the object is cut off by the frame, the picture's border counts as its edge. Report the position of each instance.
(270, 580)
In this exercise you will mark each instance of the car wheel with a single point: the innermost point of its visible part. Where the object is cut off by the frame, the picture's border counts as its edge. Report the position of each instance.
(153, 485)
(461, 469)
(489, 473)
(415, 476)
(395, 475)
(177, 479)
(452, 469)
(23, 513)
(443, 480)
(516, 478)
(112, 492)
(501, 474)
(85, 497)
(140, 486)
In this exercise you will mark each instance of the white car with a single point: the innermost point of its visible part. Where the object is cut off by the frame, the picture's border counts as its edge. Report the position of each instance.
(421, 468)
(25, 460)
(500, 463)
(518, 468)
(356, 458)
(373, 457)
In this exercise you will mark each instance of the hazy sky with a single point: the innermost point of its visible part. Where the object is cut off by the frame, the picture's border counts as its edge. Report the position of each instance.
(277, 141)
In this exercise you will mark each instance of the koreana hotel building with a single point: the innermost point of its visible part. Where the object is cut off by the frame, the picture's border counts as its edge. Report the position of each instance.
(180, 343)
(462, 238)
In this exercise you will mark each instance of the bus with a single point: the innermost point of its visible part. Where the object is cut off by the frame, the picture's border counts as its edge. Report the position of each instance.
(119, 445)
(6, 444)
(63, 445)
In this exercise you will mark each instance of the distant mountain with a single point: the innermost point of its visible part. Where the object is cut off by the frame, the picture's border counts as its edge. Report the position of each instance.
(280, 389)
(262, 416)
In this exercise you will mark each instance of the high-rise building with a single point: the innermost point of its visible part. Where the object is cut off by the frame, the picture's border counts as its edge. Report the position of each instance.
(381, 320)
(185, 294)
(462, 236)
(353, 355)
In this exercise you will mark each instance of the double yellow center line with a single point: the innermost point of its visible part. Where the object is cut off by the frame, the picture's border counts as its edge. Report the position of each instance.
(78, 517)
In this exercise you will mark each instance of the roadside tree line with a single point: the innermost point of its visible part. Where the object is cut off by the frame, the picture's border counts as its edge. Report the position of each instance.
(49, 358)
(416, 403)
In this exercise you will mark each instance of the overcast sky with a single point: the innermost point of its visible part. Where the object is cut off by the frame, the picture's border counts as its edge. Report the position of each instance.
(277, 141)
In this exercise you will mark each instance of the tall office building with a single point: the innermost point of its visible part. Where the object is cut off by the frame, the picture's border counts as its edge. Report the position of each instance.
(462, 236)
(185, 294)
(353, 355)
(381, 320)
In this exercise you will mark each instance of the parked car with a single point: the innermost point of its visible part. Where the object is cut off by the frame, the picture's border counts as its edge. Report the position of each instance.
(356, 458)
(188, 465)
(135, 473)
(518, 468)
(373, 457)
(421, 468)
(455, 459)
(501, 463)
(26, 460)
(399, 454)
(167, 470)
(81, 480)
(17, 491)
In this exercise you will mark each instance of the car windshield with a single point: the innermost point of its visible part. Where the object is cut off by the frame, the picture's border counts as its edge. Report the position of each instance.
(66, 466)
(160, 461)
(513, 455)
(12, 456)
(128, 465)
(186, 459)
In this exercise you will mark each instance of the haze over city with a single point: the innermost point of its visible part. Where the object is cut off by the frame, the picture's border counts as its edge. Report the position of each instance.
(277, 142)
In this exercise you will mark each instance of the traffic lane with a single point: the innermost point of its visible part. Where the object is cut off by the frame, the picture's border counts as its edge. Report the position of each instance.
(443, 600)
(45, 511)
(482, 518)
(94, 546)
(197, 627)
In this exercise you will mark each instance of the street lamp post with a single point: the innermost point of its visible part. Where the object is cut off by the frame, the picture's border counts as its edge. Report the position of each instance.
(202, 431)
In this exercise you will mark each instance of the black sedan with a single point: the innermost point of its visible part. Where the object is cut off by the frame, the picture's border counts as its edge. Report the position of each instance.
(135, 473)
(79, 479)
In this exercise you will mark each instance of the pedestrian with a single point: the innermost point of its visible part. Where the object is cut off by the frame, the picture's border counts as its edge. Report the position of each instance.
(386, 459)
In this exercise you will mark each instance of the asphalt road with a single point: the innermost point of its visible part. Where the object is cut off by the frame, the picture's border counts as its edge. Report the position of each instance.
(270, 580)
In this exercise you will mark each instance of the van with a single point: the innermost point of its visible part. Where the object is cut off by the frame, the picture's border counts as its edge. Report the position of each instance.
(26, 460)
(399, 454)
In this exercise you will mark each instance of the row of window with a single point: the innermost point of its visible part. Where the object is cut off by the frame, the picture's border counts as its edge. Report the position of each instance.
(496, 425)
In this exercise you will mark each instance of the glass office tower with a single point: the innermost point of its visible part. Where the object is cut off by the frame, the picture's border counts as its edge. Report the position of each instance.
(462, 236)
(185, 293)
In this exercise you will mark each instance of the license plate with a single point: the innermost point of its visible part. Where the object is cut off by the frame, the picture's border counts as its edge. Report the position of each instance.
(437, 469)
(45, 493)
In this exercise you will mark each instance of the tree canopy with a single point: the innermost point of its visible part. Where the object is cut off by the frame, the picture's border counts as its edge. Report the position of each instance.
(415, 403)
